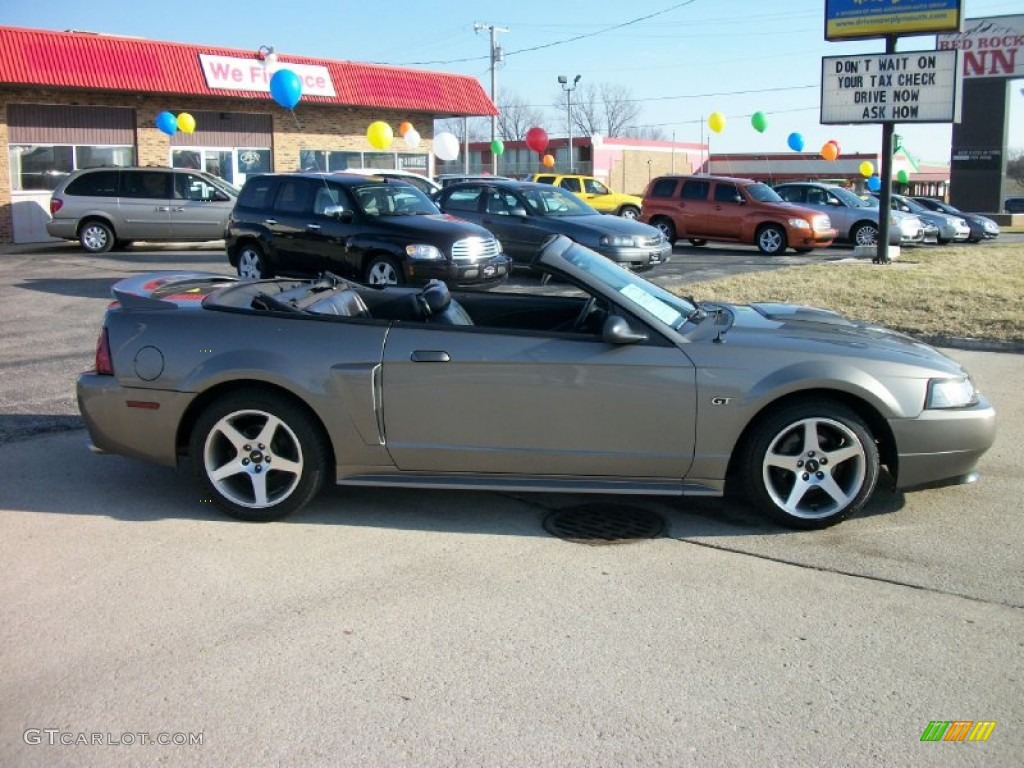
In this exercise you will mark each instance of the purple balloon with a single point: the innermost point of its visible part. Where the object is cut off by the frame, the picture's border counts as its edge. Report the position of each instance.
(795, 142)
(286, 88)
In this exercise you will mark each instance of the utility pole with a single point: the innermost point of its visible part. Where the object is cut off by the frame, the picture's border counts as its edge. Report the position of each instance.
(564, 82)
(497, 56)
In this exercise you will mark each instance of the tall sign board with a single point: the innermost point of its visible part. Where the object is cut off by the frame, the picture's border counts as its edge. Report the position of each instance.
(859, 19)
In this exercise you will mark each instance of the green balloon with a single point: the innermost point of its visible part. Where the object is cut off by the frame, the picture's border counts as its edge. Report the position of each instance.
(759, 121)
(902, 177)
(498, 147)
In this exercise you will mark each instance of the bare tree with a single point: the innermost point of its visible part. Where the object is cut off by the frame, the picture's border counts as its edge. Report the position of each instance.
(479, 128)
(517, 117)
(605, 108)
(1015, 166)
(645, 132)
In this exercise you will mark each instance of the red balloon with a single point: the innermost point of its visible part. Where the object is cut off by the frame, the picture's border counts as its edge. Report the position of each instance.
(839, 149)
(537, 139)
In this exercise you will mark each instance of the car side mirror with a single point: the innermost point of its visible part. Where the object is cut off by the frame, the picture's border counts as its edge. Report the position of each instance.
(617, 330)
(517, 212)
(338, 212)
(222, 197)
(738, 199)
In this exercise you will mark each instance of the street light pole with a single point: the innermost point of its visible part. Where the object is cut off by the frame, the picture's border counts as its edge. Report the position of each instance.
(564, 82)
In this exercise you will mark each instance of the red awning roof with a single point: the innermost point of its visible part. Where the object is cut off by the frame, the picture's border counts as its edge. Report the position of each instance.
(35, 57)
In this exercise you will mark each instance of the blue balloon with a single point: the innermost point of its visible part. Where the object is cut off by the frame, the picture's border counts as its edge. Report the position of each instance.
(167, 123)
(286, 88)
(874, 183)
(795, 142)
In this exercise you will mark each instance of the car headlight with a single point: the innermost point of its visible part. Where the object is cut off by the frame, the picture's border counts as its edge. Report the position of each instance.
(621, 241)
(951, 393)
(424, 252)
(799, 224)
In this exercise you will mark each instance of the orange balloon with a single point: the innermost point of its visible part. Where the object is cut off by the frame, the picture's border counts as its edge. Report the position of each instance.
(549, 160)
(404, 128)
(830, 151)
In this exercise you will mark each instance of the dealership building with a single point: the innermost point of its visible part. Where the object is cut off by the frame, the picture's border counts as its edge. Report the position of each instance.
(71, 100)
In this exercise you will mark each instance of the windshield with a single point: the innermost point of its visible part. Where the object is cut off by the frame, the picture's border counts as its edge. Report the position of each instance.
(223, 186)
(634, 292)
(849, 198)
(554, 201)
(913, 205)
(763, 193)
(393, 199)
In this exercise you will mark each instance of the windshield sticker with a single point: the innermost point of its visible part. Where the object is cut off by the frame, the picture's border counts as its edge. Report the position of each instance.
(656, 307)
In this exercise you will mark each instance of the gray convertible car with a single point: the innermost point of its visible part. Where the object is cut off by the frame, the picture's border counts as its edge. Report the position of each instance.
(271, 388)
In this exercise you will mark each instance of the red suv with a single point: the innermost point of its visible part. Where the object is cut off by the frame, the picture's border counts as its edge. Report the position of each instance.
(721, 208)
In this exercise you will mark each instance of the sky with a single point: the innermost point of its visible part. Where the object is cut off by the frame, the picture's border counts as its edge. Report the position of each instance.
(680, 60)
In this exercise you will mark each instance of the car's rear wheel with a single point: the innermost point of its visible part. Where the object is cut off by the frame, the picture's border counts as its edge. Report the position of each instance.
(629, 212)
(771, 240)
(96, 236)
(259, 456)
(668, 229)
(252, 264)
(865, 234)
(698, 241)
(810, 465)
(383, 270)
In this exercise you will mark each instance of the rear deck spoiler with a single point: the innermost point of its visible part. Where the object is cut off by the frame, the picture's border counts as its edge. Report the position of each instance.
(177, 289)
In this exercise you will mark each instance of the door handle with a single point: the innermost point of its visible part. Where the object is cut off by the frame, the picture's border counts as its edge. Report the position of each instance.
(163, 208)
(430, 356)
(314, 227)
(270, 222)
(179, 210)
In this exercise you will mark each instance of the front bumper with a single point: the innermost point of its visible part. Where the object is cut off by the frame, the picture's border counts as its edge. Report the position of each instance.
(460, 273)
(942, 446)
(643, 257)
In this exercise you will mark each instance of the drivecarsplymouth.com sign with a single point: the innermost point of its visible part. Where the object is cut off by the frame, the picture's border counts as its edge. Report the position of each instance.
(853, 19)
(913, 87)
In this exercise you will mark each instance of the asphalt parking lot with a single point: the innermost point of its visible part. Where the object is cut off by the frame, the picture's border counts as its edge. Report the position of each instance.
(395, 627)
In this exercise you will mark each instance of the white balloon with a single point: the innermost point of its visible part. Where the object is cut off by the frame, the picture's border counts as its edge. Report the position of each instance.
(412, 138)
(446, 146)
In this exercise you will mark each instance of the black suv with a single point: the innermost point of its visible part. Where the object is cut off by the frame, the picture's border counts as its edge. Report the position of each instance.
(380, 231)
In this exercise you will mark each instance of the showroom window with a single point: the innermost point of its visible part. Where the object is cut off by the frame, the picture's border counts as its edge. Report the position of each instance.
(327, 161)
(37, 167)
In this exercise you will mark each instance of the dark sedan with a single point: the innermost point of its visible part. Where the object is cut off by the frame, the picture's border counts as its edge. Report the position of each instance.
(982, 227)
(524, 215)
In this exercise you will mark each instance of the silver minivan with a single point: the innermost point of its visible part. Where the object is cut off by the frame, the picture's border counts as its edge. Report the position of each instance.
(103, 208)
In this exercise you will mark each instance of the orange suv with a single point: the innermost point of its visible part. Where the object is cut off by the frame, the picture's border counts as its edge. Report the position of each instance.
(721, 208)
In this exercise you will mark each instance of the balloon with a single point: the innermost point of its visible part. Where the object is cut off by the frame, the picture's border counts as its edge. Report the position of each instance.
(874, 183)
(716, 122)
(498, 147)
(412, 138)
(404, 128)
(537, 139)
(286, 88)
(795, 142)
(446, 146)
(866, 169)
(903, 177)
(829, 151)
(186, 123)
(549, 160)
(167, 123)
(839, 150)
(379, 135)
(759, 121)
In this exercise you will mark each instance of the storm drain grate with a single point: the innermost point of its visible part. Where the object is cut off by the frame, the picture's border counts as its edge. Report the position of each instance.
(604, 524)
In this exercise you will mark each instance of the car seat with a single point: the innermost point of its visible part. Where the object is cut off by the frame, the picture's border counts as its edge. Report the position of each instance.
(437, 305)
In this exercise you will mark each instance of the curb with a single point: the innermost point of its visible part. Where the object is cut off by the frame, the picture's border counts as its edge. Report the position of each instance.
(974, 345)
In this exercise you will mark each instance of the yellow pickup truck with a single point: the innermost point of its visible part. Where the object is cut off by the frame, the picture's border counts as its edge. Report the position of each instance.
(593, 192)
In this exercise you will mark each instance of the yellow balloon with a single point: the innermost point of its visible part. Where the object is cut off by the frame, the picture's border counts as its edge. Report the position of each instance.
(186, 123)
(867, 169)
(379, 135)
(716, 122)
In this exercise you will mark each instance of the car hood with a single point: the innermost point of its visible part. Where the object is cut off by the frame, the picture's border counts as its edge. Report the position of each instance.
(822, 331)
(601, 224)
(437, 226)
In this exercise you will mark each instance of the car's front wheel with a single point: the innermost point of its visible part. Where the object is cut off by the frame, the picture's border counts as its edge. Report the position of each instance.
(698, 242)
(668, 229)
(383, 270)
(96, 236)
(771, 240)
(252, 264)
(259, 456)
(629, 212)
(810, 465)
(865, 234)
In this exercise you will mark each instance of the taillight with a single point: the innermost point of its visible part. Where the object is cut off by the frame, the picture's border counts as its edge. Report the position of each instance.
(104, 364)
(55, 205)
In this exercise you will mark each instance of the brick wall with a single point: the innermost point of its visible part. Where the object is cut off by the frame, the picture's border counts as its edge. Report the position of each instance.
(311, 126)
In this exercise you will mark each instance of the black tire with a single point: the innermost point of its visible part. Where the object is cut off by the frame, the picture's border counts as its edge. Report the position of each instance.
(805, 481)
(96, 236)
(771, 240)
(864, 234)
(270, 443)
(698, 242)
(629, 212)
(252, 263)
(381, 269)
(668, 229)
(803, 250)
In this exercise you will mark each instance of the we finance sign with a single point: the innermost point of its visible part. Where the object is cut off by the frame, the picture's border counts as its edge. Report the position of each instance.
(916, 87)
(234, 74)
